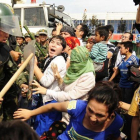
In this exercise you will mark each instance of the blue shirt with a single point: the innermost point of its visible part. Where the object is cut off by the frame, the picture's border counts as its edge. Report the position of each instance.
(76, 130)
(123, 67)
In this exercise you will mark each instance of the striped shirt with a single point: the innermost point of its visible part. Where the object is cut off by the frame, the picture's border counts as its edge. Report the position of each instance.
(99, 52)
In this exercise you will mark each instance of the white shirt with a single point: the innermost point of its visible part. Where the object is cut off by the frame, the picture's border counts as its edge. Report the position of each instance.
(48, 79)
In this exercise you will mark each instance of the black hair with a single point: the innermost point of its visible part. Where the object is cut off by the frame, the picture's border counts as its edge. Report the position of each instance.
(17, 130)
(63, 42)
(85, 29)
(110, 28)
(128, 44)
(107, 93)
(103, 31)
(54, 29)
(131, 35)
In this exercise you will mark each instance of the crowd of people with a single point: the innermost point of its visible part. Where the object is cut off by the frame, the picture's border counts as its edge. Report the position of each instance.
(81, 87)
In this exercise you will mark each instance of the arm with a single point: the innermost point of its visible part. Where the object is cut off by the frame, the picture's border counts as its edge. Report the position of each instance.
(94, 51)
(109, 54)
(25, 114)
(37, 72)
(138, 15)
(58, 28)
(116, 71)
(124, 105)
(83, 86)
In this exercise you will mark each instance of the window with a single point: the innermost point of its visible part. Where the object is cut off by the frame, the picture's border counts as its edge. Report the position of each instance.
(18, 13)
(34, 16)
(65, 17)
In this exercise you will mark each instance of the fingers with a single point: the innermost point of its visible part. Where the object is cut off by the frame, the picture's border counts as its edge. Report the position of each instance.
(35, 83)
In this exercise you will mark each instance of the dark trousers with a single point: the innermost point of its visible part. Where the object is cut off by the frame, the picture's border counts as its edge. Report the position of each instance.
(127, 95)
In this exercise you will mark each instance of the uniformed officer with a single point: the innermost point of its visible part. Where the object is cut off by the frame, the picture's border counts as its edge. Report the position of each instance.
(9, 24)
(43, 45)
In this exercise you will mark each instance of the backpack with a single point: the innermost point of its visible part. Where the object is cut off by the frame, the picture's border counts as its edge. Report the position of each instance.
(134, 73)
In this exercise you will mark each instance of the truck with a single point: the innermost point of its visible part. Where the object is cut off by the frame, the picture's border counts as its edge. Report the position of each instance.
(41, 16)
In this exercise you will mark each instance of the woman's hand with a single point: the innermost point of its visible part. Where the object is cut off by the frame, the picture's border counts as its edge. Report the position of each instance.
(39, 88)
(23, 114)
(56, 73)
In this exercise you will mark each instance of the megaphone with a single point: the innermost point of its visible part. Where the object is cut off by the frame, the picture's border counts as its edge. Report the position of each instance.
(60, 8)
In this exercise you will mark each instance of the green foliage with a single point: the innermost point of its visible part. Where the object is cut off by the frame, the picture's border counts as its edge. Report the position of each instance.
(95, 22)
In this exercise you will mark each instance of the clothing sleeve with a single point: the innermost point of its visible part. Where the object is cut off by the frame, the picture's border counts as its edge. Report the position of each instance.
(94, 51)
(118, 60)
(111, 48)
(85, 83)
(75, 107)
(118, 126)
(134, 109)
(48, 77)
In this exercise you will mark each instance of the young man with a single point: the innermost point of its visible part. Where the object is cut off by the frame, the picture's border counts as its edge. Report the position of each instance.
(81, 32)
(126, 86)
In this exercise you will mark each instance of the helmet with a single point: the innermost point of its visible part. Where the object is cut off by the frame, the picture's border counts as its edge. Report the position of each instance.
(8, 21)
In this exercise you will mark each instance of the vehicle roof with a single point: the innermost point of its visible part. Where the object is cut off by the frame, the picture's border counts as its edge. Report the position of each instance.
(30, 5)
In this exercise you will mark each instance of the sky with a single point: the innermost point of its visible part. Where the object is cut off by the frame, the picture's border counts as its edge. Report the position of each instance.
(93, 6)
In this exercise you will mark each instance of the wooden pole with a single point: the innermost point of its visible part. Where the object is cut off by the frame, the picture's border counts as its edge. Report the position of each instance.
(14, 77)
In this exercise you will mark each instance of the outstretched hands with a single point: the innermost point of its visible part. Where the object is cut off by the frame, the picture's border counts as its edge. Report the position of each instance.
(39, 88)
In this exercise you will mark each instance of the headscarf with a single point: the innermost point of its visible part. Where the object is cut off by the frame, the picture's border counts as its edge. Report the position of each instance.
(68, 29)
(80, 63)
(72, 42)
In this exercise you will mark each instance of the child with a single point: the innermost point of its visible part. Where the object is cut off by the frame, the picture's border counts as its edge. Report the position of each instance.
(90, 43)
(93, 119)
(99, 51)
(57, 45)
(126, 86)
(72, 42)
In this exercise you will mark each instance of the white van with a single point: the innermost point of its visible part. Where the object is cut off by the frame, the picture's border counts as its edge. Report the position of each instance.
(28, 12)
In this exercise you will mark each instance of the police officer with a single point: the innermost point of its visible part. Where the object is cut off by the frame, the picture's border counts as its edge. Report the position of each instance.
(8, 25)
(44, 46)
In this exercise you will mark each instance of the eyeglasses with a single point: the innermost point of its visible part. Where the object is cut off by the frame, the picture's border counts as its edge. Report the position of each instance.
(124, 37)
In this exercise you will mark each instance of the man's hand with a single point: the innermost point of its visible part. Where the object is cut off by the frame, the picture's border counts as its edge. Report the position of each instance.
(24, 89)
(15, 55)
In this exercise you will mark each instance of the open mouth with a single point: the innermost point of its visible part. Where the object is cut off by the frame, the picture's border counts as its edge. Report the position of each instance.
(52, 50)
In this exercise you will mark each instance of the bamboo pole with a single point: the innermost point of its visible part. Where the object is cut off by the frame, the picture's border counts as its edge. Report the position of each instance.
(14, 77)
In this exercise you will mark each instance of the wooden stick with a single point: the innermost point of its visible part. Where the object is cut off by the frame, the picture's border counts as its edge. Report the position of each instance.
(14, 77)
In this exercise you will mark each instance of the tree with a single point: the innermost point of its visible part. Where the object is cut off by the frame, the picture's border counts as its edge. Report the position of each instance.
(84, 18)
(122, 26)
(95, 23)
